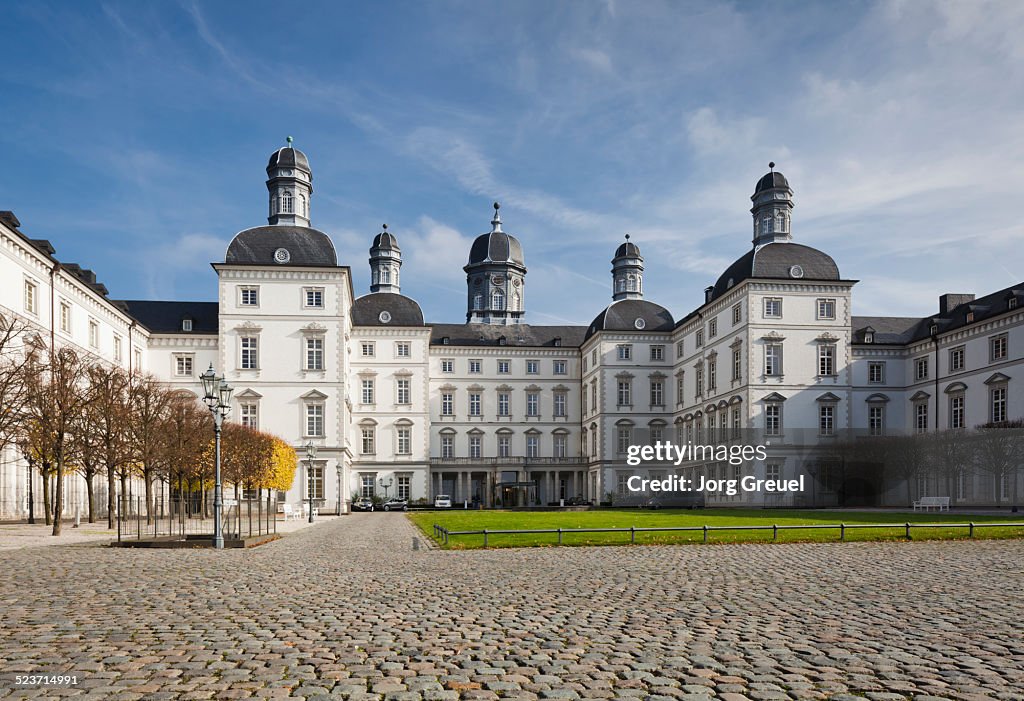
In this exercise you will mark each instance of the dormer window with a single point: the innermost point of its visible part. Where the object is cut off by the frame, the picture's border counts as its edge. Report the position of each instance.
(1011, 303)
(970, 317)
(445, 341)
(934, 329)
(186, 324)
(869, 337)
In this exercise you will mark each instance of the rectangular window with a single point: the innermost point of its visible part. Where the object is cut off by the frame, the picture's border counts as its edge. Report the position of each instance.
(826, 359)
(998, 403)
(624, 393)
(593, 358)
(657, 393)
(403, 390)
(625, 351)
(447, 365)
(712, 374)
(314, 354)
(593, 395)
(624, 436)
(532, 367)
(956, 411)
(475, 449)
(31, 298)
(876, 420)
(700, 338)
(773, 420)
(368, 349)
(657, 433)
(503, 404)
(366, 483)
(186, 324)
(447, 447)
(314, 419)
(558, 367)
(505, 367)
(368, 391)
(736, 422)
(532, 404)
(583, 401)
(138, 358)
(876, 373)
(474, 404)
(474, 367)
(679, 350)
(314, 298)
(65, 317)
(249, 296)
(997, 347)
(403, 350)
(532, 446)
(94, 334)
(314, 481)
(826, 309)
(183, 365)
(504, 446)
(713, 328)
(737, 364)
(447, 404)
(956, 359)
(699, 377)
(560, 445)
(737, 314)
(622, 484)
(404, 487)
(773, 359)
(593, 442)
(118, 349)
(404, 440)
(369, 440)
(921, 369)
(773, 307)
(560, 404)
(826, 420)
(773, 471)
(249, 414)
(680, 385)
(657, 352)
(921, 417)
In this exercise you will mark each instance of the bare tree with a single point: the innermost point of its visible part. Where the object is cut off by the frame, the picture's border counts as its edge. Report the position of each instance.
(997, 451)
(148, 400)
(185, 436)
(950, 455)
(108, 411)
(13, 389)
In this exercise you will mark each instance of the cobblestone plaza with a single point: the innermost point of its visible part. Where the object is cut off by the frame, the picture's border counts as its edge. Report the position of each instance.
(348, 609)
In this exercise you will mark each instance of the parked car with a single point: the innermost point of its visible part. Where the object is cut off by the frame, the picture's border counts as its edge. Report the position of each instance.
(363, 504)
(577, 500)
(395, 504)
(442, 501)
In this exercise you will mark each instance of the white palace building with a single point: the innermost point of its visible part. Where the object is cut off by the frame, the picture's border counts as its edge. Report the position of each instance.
(501, 412)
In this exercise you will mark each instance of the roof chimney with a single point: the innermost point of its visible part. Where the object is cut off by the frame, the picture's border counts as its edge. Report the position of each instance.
(951, 300)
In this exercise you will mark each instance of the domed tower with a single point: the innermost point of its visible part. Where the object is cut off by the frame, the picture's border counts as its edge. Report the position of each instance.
(495, 277)
(290, 182)
(385, 262)
(627, 272)
(773, 203)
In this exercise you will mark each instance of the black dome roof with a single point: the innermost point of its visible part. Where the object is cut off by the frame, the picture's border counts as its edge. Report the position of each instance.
(385, 240)
(400, 310)
(776, 261)
(259, 246)
(628, 250)
(623, 316)
(288, 157)
(771, 180)
(496, 247)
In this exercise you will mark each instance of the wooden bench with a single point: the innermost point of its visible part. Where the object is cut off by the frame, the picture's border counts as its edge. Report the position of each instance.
(929, 503)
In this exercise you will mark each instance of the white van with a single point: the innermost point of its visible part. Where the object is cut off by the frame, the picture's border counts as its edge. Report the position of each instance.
(442, 501)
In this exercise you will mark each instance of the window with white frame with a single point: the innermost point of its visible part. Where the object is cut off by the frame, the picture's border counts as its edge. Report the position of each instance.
(657, 393)
(497, 300)
(186, 325)
(249, 352)
(679, 349)
(315, 419)
(404, 487)
(532, 446)
(657, 353)
(404, 440)
(876, 373)
(475, 446)
(921, 369)
(826, 309)
(773, 419)
(956, 359)
(699, 378)
(287, 202)
(249, 414)
(447, 365)
(559, 404)
(314, 354)
(532, 367)
(403, 390)
(504, 445)
(560, 445)
(735, 422)
(624, 438)
(183, 365)
(504, 367)
(367, 349)
(368, 393)
(773, 307)
(593, 441)
(713, 328)
(583, 401)
(249, 296)
(503, 404)
(737, 364)
(94, 334)
(656, 433)
(403, 350)
(624, 351)
(447, 404)
(65, 317)
(737, 313)
(474, 404)
(447, 446)
(921, 417)
(532, 404)
(313, 297)
(366, 486)
(624, 393)
(826, 419)
(700, 338)
(593, 395)
(475, 367)
(137, 355)
(558, 367)
(118, 349)
(998, 347)
(712, 374)
(31, 297)
(368, 442)
(773, 359)
(622, 484)
(826, 359)
(773, 471)
(314, 481)
(956, 411)
(997, 403)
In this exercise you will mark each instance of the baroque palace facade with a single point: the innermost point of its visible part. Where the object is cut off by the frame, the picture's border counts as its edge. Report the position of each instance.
(498, 411)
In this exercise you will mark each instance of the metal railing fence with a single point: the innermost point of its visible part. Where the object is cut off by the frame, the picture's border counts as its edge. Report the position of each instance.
(177, 517)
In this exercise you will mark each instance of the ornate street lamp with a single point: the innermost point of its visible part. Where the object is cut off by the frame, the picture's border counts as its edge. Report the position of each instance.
(386, 483)
(310, 455)
(217, 395)
(26, 452)
(338, 466)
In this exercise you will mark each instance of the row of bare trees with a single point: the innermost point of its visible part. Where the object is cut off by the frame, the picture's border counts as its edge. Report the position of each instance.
(70, 413)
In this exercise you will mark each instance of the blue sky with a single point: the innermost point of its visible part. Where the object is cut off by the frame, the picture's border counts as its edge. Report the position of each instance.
(135, 137)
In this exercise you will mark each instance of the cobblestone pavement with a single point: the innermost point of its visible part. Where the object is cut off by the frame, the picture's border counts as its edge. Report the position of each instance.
(348, 610)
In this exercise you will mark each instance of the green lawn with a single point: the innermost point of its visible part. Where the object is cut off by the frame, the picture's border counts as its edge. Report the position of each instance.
(458, 520)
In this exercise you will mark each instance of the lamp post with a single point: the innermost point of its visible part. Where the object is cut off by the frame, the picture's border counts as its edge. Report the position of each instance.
(217, 395)
(310, 455)
(27, 453)
(387, 485)
(339, 487)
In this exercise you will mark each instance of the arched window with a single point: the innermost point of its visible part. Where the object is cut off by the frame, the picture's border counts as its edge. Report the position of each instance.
(620, 284)
(478, 301)
(631, 283)
(302, 206)
(498, 300)
(273, 205)
(515, 302)
(287, 206)
(385, 276)
(780, 223)
(766, 224)
(639, 283)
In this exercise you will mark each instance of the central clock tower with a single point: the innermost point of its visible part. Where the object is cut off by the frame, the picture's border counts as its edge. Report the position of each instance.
(290, 183)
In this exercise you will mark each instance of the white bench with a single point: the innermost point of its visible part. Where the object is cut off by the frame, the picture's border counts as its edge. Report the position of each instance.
(929, 503)
(291, 513)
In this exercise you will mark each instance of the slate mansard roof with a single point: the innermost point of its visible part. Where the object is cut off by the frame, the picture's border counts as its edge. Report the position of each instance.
(306, 247)
(496, 247)
(386, 309)
(775, 261)
(288, 157)
(166, 317)
(515, 335)
(631, 315)
(770, 181)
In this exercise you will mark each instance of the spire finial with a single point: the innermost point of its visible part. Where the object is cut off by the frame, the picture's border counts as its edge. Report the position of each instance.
(771, 166)
(289, 140)
(385, 227)
(496, 222)
(627, 237)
